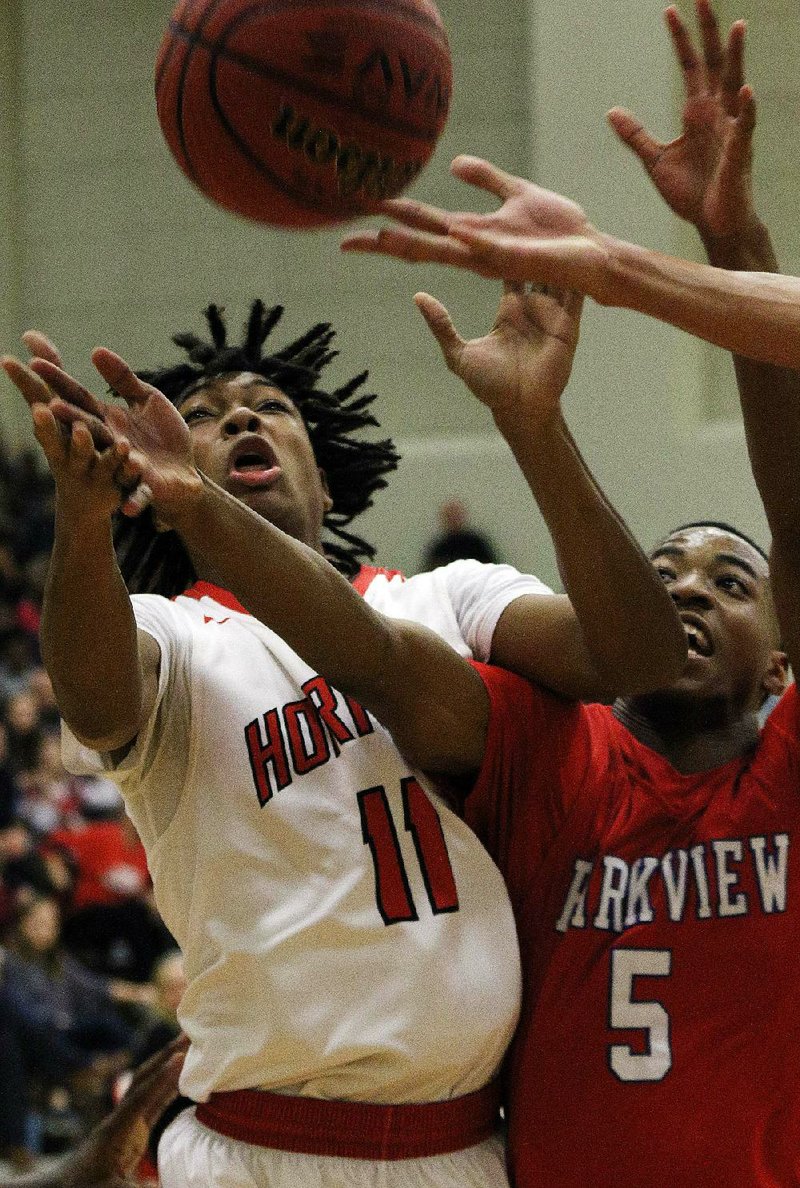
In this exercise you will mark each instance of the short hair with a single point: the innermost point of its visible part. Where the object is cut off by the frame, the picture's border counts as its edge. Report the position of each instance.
(723, 527)
(355, 467)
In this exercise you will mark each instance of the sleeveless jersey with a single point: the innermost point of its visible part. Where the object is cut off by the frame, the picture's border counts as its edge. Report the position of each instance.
(659, 922)
(345, 934)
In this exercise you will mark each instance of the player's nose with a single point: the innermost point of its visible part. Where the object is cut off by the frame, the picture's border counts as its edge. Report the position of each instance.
(690, 589)
(241, 420)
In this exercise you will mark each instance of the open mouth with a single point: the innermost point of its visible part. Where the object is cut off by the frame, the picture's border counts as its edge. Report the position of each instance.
(697, 637)
(253, 463)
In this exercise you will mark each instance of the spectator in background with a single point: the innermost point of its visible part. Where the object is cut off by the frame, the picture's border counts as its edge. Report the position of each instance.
(18, 657)
(61, 1026)
(108, 1157)
(31, 505)
(24, 872)
(9, 788)
(12, 584)
(457, 541)
(50, 797)
(112, 925)
(24, 730)
(41, 687)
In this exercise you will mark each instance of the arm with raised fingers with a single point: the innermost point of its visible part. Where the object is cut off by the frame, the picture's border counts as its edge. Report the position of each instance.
(430, 699)
(99, 665)
(617, 630)
(540, 236)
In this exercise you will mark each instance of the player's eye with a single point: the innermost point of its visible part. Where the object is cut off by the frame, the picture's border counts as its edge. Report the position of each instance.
(272, 406)
(733, 584)
(198, 413)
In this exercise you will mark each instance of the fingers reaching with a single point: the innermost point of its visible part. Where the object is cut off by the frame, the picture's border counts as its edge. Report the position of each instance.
(40, 347)
(632, 133)
(739, 146)
(69, 414)
(154, 1086)
(733, 73)
(120, 377)
(414, 246)
(693, 71)
(49, 436)
(478, 172)
(30, 385)
(58, 381)
(418, 215)
(441, 326)
(713, 52)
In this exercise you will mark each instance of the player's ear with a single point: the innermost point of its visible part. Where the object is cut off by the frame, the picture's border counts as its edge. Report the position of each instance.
(327, 501)
(776, 677)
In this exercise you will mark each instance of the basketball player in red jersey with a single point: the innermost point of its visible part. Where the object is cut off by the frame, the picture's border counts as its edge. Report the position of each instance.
(649, 851)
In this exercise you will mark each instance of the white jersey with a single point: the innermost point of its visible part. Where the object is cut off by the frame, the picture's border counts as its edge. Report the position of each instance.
(461, 602)
(345, 935)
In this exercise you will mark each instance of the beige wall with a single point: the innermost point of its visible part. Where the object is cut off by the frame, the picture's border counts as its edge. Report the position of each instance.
(105, 241)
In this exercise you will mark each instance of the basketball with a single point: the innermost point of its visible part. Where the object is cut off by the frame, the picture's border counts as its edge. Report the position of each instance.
(303, 113)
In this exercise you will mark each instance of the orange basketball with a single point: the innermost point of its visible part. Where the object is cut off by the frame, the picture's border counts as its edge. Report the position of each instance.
(302, 113)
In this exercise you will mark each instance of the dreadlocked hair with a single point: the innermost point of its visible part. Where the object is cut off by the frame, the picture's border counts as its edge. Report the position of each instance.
(156, 562)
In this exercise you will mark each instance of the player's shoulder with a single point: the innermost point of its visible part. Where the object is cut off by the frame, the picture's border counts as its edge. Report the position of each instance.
(529, 708)
(782, 724)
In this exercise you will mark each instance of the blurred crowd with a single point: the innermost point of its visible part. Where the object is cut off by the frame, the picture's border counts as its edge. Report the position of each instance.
(90, 978)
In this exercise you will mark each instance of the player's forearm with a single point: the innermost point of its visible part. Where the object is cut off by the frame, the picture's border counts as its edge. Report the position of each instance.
(89, 638)
(756, 314)
(290, 588)
(631, 634)
(770, 397)
(433, 703)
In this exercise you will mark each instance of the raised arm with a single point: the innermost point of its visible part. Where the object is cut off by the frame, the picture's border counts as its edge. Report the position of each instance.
(705, 177)
(617, 631)
(431, 700)
(540, 236)
(102, 670)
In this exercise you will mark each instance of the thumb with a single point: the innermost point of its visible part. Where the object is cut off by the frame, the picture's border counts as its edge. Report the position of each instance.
(441, 327)
(632, 133)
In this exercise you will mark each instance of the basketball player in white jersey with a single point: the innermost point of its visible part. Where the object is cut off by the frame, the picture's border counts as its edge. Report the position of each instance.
(353, 976)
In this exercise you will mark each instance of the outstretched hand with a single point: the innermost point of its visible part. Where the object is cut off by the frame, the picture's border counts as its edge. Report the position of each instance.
(147, 432)
(704, 175)
(535, 235)
(522, 365)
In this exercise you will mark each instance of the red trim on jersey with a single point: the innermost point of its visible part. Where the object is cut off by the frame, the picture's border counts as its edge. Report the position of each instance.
(363, 579)
(353, 1129)
(209, 590)
(361, 583)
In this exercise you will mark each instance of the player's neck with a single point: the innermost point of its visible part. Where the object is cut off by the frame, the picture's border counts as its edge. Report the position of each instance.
(688, 745)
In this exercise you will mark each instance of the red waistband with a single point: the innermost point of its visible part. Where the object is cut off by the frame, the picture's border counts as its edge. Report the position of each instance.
(352, 1129)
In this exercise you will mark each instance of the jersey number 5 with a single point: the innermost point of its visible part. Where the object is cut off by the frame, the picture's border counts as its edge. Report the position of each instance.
(629, 1014)
(420, 819)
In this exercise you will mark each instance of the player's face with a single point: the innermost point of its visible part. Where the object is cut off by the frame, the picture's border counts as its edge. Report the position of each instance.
(720, 586)
(251, 439)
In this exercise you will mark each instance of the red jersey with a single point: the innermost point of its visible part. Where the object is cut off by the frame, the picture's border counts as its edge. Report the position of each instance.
(659, 922)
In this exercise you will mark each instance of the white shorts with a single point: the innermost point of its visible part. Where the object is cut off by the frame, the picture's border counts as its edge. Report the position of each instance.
(192, 1156)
